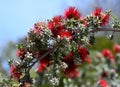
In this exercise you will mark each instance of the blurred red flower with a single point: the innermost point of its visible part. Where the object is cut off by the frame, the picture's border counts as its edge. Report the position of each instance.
(116, 48)
(88, 60)
(103, 83)
(108, 54)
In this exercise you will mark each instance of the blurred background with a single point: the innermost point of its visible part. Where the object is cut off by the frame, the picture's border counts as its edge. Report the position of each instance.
(17, 16)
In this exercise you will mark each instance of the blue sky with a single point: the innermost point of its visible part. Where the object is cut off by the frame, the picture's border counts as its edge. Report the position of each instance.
(17, 16)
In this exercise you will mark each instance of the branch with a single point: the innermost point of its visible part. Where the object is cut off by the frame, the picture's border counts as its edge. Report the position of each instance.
(44, 55)
(105, 29)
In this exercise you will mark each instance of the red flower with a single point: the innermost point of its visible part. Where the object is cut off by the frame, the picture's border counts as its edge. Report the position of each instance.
(43, 63)
(108, 53)
(83, 53)
(102, 16)
(88, 60)
(97, 11)
(57, 20)
(116, 48)
(65, 34)
(105, 19)
(71, 71)
(56, 26)
(68, 57)
(103, 83)
(14, 71)
(20, 53)
(71, 12)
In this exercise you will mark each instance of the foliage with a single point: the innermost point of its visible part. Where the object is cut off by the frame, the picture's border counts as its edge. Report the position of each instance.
(101, 43)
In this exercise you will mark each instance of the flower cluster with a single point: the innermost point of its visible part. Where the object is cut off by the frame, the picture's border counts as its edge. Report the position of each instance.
(113, 65)
(101, 16)
(107, 53)
(61, 40)
(103, 83)
(15, 72)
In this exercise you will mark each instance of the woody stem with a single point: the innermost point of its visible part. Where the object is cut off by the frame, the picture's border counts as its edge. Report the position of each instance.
(105, 29)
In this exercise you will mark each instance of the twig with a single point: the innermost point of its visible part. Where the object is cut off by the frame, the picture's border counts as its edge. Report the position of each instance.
(44, 55)
(105, 29)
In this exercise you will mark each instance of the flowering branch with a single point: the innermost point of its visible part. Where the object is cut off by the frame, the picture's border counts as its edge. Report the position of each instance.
(59, 44)
(105, 29)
